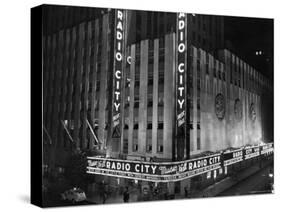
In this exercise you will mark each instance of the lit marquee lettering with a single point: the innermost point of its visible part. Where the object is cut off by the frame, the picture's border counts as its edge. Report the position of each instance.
(267, 149)
(124, 166)
(181, 69)
(251, 152)
(237, 154)
(119, 38)
(118, 166)
(233, 157)
(145, 168)
(196, 164)
(172, 171)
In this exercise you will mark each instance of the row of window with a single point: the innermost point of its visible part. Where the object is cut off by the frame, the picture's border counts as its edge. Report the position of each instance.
(159, 127)
(149, 148)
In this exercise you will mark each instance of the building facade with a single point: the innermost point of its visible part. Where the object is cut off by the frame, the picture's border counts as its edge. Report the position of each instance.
(225, 97)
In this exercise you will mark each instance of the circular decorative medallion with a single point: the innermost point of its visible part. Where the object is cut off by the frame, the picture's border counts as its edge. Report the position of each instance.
(220, 106)
(238, 109)
(253, 114)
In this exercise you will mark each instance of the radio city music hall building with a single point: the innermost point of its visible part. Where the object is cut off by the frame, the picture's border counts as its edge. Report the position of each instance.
(165, 91)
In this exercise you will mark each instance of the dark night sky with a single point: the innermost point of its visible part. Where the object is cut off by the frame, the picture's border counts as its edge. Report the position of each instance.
(248, 35)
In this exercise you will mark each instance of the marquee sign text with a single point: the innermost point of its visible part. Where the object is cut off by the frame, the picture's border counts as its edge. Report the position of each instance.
(173, 171)
(118, 58)
(181, 68)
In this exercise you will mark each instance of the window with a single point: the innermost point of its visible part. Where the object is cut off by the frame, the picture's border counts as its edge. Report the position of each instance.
(149, 103)
(198, 84)
(160, 126)
(198, 67)
(126, 126)
(135, 147)
(136, 126)
(137, 83)
(161, 45)
(198, 143)
(191, 103)
(137, 98)
(150, 58)
(207, 68)
(150, 82)
(215, 72)
(98, 86)
(149, 148)
(198, 104)
(136, 104)
(125, 146)
(160, 101)
(90, 87)
(127, 104)
(160, 148)
(190, 82)
(61, 170)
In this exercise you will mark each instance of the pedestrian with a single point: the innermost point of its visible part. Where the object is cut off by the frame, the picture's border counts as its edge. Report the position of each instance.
(155, 192)
(102, 191)
(166, 196)
(185, 192)
(126, 195)
(104, 197)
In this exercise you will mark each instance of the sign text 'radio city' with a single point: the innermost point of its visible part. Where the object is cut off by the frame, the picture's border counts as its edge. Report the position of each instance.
(118, 66)
(181, 67)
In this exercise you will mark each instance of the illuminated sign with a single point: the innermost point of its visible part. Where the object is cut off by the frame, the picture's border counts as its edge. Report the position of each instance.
(232, 157)
(118, 60)
(251, 152)
(153, 171)
(266, 149)
(173, 171)
(181, 68)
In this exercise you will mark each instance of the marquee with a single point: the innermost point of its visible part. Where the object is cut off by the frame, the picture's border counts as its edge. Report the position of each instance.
(173, 171)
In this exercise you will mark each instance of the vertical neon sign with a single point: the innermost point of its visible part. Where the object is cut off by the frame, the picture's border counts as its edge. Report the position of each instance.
(181, 69)
(118, 60)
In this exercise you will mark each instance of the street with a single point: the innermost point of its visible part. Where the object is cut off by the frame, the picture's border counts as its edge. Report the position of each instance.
(259, 183)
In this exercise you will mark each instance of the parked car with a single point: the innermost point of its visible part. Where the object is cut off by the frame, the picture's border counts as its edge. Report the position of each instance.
(74, 195)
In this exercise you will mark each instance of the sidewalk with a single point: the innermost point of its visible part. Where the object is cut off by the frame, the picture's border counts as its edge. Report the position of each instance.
(114, 198)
